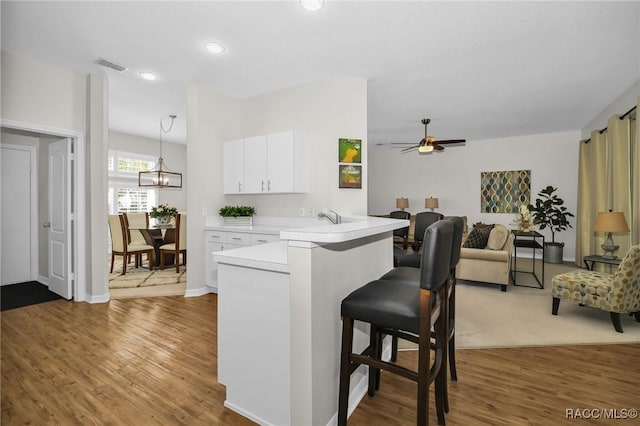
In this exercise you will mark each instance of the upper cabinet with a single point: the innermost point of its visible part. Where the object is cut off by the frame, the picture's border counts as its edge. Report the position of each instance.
(270, 164)
(233, 164)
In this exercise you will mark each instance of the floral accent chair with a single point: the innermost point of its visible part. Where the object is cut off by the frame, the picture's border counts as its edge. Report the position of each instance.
(618, 293)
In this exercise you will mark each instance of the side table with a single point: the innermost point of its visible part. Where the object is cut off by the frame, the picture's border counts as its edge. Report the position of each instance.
(527, 240)
(594, 258)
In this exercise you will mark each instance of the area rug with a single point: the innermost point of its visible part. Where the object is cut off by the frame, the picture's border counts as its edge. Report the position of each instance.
(24, 294)
(489, 318)
(142, 277)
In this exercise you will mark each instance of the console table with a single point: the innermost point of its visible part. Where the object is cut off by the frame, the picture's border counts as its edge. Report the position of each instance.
(594, 258)
(528, 240)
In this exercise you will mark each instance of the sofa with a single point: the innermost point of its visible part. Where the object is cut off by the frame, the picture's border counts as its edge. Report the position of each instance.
(490, 263)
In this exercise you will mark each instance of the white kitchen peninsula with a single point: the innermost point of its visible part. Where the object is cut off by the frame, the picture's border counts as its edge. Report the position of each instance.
(279, 323)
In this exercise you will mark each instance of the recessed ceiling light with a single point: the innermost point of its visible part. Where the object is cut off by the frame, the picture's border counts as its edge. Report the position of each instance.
(214, 47)
(312, 5)
(147, 75)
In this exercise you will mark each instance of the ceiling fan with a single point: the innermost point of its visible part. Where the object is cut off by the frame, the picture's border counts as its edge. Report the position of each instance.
(429, 143)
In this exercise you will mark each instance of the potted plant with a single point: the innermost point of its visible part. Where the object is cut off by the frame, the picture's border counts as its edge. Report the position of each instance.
(550, 212)
(237, 215)
(163, 213)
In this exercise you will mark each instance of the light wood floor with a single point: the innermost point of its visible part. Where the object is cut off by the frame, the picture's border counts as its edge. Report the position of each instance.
(153, 362)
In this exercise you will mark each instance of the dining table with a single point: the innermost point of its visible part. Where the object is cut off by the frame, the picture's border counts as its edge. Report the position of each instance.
(154, 236)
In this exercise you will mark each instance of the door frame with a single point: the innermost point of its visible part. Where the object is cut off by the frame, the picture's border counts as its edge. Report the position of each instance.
(78, 193)
(33, 191)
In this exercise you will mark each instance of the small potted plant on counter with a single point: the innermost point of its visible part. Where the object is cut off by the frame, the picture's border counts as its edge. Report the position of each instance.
(549, 212)
(237, 215)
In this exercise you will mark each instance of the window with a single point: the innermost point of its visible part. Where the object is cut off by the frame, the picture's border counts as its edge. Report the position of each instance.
(124, 194)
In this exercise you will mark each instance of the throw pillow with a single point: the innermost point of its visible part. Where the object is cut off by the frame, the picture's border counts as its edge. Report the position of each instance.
(478, 236)
(497, 237)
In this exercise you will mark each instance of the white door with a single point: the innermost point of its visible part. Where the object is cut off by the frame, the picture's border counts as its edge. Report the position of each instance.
(280, 162)
(60, 218)
(255, 165)
(233, 167)
(18, 211)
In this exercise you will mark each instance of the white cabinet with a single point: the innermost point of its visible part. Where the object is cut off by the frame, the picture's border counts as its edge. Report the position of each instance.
(227, 240)
(271, 164)
(255, 165)
(233, 156)
(263, 239)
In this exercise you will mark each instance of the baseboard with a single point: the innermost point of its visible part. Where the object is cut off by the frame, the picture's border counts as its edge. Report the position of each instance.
(246, 414)
(102, 298)
(197, 291)
(43, 280)
(355, 396)
(361, 389)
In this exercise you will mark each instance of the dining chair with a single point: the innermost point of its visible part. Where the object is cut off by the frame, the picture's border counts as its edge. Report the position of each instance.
(402, 233)
(135, 222)
(423, 221)
(180, 244)
(120, 245)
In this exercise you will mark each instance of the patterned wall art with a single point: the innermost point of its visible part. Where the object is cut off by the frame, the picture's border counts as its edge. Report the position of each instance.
(505, 191)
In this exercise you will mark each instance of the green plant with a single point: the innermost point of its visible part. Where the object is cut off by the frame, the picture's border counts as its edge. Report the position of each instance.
(549, 212)
(236, 211)
(163, 210)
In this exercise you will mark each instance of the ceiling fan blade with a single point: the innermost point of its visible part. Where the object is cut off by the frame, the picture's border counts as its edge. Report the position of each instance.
(450, 141)
(436, 145)
(409, 149)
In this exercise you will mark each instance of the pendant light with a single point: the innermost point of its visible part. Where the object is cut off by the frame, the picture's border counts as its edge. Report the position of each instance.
(161, 176)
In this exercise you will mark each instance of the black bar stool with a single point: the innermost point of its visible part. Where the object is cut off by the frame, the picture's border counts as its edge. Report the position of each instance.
(393, 308)
(411, 275)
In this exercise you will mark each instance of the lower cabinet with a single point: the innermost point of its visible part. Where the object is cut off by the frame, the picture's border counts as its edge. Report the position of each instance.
(227, 240)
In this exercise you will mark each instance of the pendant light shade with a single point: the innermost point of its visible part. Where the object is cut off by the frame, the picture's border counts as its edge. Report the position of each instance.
(160, 176)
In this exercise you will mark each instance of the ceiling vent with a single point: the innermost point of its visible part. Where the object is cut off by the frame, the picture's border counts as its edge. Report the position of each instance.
(111, 65)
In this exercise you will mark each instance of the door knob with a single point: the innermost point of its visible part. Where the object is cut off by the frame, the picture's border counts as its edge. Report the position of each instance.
(46, 225)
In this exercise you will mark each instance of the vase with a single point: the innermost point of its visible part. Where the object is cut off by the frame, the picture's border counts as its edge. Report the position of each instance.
(163, 220)
(238, 221)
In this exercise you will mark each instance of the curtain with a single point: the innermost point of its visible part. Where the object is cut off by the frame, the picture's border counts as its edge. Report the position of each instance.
(594, 178)
(609, 178)
(634, 215)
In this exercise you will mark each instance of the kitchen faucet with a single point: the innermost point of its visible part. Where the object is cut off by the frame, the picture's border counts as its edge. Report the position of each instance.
(335, 220)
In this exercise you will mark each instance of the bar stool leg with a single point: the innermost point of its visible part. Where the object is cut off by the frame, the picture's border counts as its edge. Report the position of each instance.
(345, 367)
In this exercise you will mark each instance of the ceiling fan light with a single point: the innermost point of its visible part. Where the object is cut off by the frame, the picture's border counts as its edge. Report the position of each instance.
(425, 149)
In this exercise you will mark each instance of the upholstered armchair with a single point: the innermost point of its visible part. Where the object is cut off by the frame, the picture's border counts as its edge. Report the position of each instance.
(618, 293)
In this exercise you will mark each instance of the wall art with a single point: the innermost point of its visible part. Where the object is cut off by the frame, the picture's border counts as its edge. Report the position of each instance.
(350, 176)
(504, 191)
(349, 150)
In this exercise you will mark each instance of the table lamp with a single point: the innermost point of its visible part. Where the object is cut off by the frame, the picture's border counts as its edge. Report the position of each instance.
(431, 203)
(402, 203)
(610, 222)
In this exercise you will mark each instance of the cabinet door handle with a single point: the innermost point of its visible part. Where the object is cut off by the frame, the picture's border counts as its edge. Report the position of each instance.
(236, 238)
(263, 185)
(262, 241)
(269, 185)
(239, 187)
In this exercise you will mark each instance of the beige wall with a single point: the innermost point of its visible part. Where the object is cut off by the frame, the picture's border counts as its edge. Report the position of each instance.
(323, 111)
(36, 93)
(175, 157)
(453, 176)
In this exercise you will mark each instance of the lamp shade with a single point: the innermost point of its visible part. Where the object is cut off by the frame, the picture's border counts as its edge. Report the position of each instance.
(431, 203)
(402, 203)
(610, 222)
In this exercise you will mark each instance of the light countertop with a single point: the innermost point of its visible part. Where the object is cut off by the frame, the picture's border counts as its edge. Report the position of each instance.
(270, 257)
